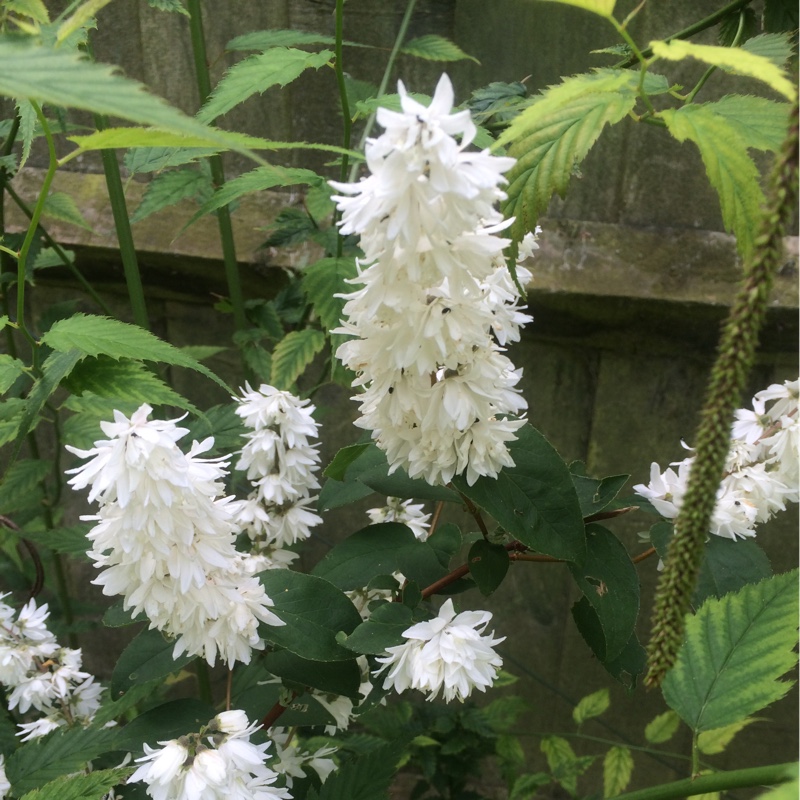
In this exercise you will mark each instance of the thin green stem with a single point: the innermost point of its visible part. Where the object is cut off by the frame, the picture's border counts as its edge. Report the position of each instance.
(695, 753)
(716, 782)
(691, 30)
(347, 122)
(643, 63)
(398, 43)
(60, 252)
(217, 171)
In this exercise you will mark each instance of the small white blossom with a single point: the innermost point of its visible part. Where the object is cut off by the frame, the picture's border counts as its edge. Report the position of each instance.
(398, 510)
(448, 654)
(292, 761)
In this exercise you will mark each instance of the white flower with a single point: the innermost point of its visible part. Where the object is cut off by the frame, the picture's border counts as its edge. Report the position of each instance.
(449, 653)
(398, 510)
(291, 761)
(436, 301)
(164, 538)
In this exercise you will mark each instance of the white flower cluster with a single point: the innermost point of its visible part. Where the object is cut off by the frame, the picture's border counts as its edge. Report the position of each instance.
(398, 510)
(280, 463)
(218, 763)
(761, 474)
(41, 674)
(165, 538)
(292, 761)
(449, 653)
(437, 303)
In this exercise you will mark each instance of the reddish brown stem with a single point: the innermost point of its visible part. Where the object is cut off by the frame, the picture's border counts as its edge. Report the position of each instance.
(617, 512)
(275, 712)
(437, 512)
(643, 556)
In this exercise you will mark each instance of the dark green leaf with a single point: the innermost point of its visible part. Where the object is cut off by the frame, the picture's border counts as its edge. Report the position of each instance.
(780, 15)
(488, 565)
(383, 629)
(147, 657)
(445, 541)
(364, 778)
(608, 579)
(343, 459)
(117, 617)
(314, 611)
(224, 424)
(291, 226)
(167, 721)
(738, 26)
(728, 566)
(173, 6)
(535, 500)
(70, 540)
(114, 709)
(379, 550)
(595, 495)
(21, 488)
(335, 677)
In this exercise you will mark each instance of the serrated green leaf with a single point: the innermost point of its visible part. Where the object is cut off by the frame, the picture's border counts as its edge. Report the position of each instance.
(152, 159)
(314, 611)
(224, 424)
(82, 428)
(170, 188)
(731, 59)
(264, 40)
(293, 354)
(63, 751)
(81, 19)
(617, 770)
(323, 280)
(761, 123)
(715, 741)
(124, 380)
(731, 171)
(535, 500)
(10, 369)
(154, 138)
(554, 134)
(564, 764)
(364, 778)
(257, 180)
(171, 6)
(60, 206)
(379, 550)
(35, 9)
(277, 67)
(526, 786)
(28, 122)
(20, 488)
(593, 705)
(605, 8)
(69, 540)
(12, 412)
(93, 786)
(662, 728)
(435, 48)
(777, 47)
(147, 657)
(95, 335)
(729, 565)
(734, 652)
(780, 16)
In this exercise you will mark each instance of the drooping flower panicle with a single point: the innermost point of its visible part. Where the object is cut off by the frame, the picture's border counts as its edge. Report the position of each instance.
(164, 538)
(448, 654)
(761, 474)
(436, 302)
(404, 511)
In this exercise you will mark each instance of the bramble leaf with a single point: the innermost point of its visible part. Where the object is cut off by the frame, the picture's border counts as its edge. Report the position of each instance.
(323, 280)
(293, 354)
(169, 188)
(92, 786)
(10, 369)
(60, 206)
(617, 770)
(435, 48)
(593, 705)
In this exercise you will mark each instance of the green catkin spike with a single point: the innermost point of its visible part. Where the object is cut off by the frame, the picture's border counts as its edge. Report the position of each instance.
(734, 359)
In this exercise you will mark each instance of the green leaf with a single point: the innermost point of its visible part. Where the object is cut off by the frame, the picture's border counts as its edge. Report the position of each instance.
(265, 177)
(35, 9)
(172, 6)
(125, 380)
(60, 206)
(735, 649)
(605, 8)
(617, 770)
(594, 495)
(114, 709)
(224, 424)
(780, 15)
(365, 778)
(761, 123)
(731, 59)
(20, 488)
(435, 48)
(593, 705)
(715, 741)
(608, 580)
(10, 369)
(730, 169)
(93, 786)
(334, 677)
(153, 159)
(82, 428)
(314, 611)
(63, 78)
(28, 122)
(383, 629)
(488, 565)
(343, 459)
(728, 566)
(170, 188)
(277, 67)
(323, 280)
(527, 785)
(96, 335)
(12, 412)
(379, 550)
(63, 751)
(564, 764)
(445, 541)
(293, 354)
(70, 540)
(662, 728)
(147, 657)
(167, 721)
(777, 47)
(552, 136)
(535, 500)
(264, 40)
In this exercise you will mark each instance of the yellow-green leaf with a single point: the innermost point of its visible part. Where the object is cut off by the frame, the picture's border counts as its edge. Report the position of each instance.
(617, 770)
(293, 354)
(662, 728)
(436, 48)
(715, 741)
(605, 8)
(10, 370)
(80, 18)
(35, 9)
(60, 206)
(731, 59)
(593, 705)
